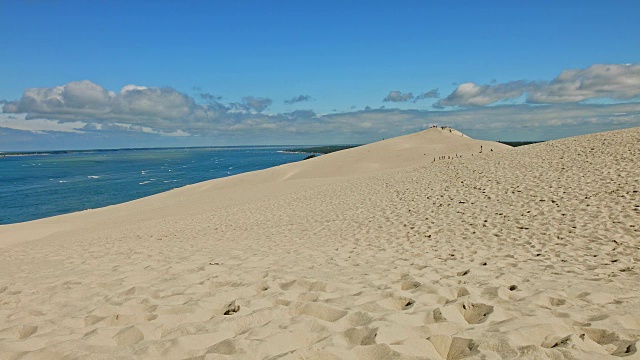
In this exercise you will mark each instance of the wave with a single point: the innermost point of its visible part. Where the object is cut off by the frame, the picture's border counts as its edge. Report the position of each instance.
(23, 154)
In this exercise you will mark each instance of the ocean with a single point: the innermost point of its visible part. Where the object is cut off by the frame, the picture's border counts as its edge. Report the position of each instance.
(40, 185)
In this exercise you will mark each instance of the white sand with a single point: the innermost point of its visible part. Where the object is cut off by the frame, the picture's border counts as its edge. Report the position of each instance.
(371, 253)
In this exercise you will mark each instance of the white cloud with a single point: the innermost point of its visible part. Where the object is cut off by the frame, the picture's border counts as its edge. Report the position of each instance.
(85, 94)
(431, 94)
(127, 88)
(471, 94)
(398, 96)
(164, 110)
(599, 81)
(157, 103)
(612, 81)
(256, 103)
(84, 100)
(297, 99)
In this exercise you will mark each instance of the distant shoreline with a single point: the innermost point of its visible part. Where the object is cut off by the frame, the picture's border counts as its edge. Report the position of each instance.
(58, 152)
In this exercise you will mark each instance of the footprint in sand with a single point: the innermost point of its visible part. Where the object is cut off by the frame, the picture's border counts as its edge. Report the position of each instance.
(474, 313)
(361, 336)
(19, 332)
(232, 308)
(128, 336)
(463, 272)
(323, 312)
(409, 285)
(398, 303)
(452, 347)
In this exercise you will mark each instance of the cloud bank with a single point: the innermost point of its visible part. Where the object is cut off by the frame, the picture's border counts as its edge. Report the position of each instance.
(533, 109)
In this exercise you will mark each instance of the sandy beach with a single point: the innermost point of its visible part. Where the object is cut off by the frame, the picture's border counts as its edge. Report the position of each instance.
(426, 246)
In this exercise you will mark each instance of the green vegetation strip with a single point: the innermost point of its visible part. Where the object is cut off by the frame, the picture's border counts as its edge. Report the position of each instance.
(519, 143)
(322, 149)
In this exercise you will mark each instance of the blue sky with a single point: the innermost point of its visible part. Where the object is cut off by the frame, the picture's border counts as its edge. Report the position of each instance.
(296, 72)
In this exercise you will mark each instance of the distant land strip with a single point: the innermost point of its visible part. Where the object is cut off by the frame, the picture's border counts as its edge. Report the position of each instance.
(519, 143)
(333, 148)
(321, 149)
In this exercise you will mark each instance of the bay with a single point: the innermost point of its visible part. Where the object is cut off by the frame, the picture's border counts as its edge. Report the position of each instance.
(34, 186)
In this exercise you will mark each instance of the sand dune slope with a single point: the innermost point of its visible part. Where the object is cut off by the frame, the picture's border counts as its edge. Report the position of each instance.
(524, 253)
(401, 152)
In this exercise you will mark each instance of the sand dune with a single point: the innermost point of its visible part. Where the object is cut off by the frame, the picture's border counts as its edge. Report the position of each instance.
(377, 252)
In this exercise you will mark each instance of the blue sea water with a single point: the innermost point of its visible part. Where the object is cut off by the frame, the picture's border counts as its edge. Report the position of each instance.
(43, 185)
